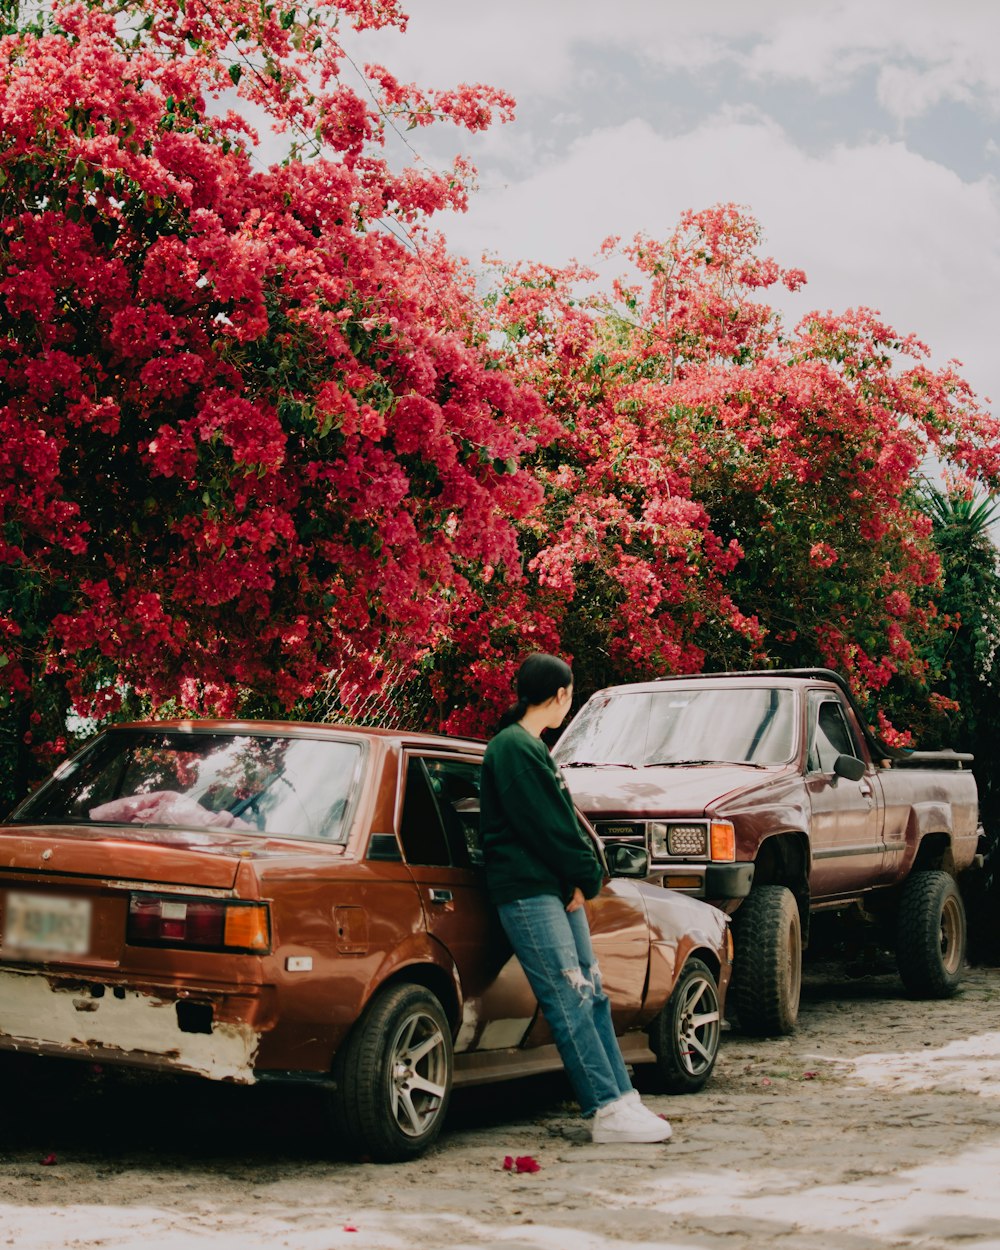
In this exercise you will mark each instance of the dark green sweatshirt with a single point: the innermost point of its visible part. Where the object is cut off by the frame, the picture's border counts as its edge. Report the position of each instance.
(532, 841)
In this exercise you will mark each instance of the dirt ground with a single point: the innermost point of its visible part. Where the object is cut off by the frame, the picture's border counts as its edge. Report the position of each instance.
(876, 1125)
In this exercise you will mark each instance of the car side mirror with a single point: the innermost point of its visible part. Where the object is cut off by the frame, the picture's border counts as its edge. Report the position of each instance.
(849, 766)
(627, 861)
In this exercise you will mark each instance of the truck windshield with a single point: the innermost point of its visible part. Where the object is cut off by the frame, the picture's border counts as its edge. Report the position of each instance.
(678, 725)
(252, 783)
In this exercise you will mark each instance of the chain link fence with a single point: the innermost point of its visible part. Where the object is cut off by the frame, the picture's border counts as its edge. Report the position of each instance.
(402, 700)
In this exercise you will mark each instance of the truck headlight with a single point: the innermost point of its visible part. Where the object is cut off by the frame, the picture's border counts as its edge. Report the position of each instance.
(677, 840)
(686, 839)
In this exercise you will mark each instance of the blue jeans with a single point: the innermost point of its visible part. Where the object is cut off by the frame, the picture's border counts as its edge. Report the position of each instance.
(556, 954)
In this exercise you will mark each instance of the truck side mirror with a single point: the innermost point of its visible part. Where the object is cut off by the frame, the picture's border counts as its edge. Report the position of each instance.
(625, 860)
(849, 766)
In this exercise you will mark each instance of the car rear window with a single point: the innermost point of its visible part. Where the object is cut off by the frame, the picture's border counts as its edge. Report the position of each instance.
(253, 783)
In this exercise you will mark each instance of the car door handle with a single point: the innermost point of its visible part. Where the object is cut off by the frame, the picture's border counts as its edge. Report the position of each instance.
(440, 896)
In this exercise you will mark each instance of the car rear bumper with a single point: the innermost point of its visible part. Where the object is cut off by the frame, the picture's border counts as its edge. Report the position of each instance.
(211, 1034)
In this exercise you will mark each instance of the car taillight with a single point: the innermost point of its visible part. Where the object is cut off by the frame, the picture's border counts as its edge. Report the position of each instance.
(198, 923)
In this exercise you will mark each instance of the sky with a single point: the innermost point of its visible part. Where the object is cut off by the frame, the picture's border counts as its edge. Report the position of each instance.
(862, 134)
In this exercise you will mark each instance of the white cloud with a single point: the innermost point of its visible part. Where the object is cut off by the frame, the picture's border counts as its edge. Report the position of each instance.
(876, 225)
(871, 222)
(531, 48)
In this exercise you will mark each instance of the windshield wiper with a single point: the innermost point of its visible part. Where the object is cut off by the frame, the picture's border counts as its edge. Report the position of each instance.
(701, 763)
(596, 764)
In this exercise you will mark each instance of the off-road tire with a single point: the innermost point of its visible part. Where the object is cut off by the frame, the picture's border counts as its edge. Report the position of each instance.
(393, 1075)
(685, 1035)
(767, 961)
(930, 935)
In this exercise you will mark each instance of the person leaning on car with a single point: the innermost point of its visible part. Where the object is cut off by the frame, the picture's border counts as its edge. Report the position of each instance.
(540, 867)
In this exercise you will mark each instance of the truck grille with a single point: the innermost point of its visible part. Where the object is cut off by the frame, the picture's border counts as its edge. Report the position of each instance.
(630, 831)
(674, 840)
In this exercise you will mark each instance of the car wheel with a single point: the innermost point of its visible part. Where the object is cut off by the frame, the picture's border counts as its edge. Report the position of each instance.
(767, 962)
(930, 935)
(685, 1035)
(393, 1075)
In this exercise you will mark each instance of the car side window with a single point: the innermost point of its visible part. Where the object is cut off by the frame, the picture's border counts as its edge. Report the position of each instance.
(456, 787)
(830, 735)
(421, 828)
(440, 822)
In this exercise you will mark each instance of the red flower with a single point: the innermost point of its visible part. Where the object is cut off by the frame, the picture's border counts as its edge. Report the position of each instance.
(521, 1163)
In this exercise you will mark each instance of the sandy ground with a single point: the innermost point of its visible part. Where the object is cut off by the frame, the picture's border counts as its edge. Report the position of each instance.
(876, 1125)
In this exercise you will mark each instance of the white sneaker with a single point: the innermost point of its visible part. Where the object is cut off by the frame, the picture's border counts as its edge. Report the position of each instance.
(627, 1120)
(648, 1115)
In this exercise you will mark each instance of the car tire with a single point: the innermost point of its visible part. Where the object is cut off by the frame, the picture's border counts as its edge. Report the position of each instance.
(393, 1075)
(767, 961)
(685, 1035)
(930, 935)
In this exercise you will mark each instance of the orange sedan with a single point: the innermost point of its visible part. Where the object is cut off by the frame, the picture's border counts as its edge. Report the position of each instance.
(284, 901)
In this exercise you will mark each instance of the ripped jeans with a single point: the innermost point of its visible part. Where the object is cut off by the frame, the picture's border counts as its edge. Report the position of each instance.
(556, 954)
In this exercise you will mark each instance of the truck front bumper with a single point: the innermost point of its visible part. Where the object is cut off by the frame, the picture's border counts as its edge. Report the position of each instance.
(709, 881)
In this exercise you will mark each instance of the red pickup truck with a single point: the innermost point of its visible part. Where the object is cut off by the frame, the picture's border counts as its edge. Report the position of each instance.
(765, 793)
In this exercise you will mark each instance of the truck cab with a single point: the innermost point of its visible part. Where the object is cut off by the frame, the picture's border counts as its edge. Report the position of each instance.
(766, 794)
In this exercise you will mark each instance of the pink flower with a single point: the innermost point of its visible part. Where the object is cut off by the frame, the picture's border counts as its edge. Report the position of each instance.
(822, 555)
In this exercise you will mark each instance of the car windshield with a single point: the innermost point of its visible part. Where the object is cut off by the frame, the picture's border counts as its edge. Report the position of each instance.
(678, 725)
(253, 783)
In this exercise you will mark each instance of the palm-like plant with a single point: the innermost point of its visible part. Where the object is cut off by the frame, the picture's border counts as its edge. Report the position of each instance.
(958, 510)
(969, 672)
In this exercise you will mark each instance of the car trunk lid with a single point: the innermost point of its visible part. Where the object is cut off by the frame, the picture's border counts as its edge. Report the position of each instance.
(180, 857)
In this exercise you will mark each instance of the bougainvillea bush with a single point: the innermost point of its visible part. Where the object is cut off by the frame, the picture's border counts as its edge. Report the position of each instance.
(250, 428)
(256, 426)
(724, 492)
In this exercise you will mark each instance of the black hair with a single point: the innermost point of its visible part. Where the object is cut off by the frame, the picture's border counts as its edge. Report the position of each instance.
(539, 678)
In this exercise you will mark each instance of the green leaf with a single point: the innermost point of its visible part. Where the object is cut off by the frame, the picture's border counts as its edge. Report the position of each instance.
(235, 73)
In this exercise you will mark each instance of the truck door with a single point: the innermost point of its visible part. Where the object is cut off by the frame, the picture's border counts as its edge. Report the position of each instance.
(846, 824)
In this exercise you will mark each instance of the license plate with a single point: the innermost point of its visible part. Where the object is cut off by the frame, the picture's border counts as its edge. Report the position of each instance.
(42, 922)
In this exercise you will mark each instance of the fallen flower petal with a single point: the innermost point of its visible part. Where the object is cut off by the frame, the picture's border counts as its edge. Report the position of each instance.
(809, 1076)
(49, 1160)
(508, 1163)
(525, 1163)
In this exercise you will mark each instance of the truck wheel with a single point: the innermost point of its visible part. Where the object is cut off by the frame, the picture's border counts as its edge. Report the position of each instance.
(930, 935)
(393, 1075)
(685, 1035)
(767, 962)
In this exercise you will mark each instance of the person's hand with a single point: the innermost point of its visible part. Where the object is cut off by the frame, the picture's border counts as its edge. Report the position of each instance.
(576, 901)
